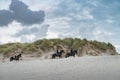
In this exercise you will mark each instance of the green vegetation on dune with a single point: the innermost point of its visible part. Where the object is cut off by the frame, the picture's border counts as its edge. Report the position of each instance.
(46, 44)
(103, 45)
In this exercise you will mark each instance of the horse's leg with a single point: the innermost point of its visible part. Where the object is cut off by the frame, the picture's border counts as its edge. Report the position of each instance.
(17, 58)
(73, 55)
(11, 58)
(60, 56)
(53, 56)
(66, 56)
(56, 55)
(20, 57)
(69, 54)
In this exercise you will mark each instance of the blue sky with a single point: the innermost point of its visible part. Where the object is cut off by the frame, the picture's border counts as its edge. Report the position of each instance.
(91, 19)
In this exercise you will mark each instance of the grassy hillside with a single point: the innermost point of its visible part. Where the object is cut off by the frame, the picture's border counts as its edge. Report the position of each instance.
(44, 46)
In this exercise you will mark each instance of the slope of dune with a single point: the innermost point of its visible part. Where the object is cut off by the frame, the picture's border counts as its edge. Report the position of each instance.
(45, 47)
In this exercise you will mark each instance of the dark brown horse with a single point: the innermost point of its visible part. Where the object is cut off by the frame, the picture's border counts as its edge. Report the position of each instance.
(57, 54)
(16, 57)
(72, 53)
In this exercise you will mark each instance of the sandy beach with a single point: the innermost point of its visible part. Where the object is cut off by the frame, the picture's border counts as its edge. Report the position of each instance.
(79, 68)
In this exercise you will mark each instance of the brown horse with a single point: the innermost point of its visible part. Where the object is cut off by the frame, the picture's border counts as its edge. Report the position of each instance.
(72, 53)
(57, 54)
(16, 57)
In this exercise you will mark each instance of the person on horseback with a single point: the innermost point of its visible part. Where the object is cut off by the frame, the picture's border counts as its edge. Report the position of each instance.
(57, 51)
(57, 54)
(71, 51)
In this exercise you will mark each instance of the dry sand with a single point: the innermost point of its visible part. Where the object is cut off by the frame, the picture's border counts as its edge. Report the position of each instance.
(82, 68)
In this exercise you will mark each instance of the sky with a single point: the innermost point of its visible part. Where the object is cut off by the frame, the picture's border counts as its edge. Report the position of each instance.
(30, 20)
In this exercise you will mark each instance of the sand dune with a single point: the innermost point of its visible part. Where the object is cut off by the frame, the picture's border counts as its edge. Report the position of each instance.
(82, 68)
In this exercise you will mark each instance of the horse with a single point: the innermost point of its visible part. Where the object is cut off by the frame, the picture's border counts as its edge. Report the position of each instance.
(12, 58)
(57, 54)
(72, 53)
(16, 57)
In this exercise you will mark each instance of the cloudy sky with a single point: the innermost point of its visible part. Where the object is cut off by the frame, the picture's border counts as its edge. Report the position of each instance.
(30, 20)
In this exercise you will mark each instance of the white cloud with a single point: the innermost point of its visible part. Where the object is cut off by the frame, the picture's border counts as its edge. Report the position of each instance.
(7, 33)
(48, 6)
(98, 33)
(87, 14)
(15, 32)
(109, 20)
(4, 4)
(57, 27)
(32, 33)
(117, 47)
(27, 37)
(51, 34)
(11, 29)
(94, 3)
(102, 35)
(9, 39)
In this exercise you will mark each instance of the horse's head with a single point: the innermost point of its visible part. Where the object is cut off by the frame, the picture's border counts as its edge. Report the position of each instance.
(75, 51)
(62, 51)
(20, 55)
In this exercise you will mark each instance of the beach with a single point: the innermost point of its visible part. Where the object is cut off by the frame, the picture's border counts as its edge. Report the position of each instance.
(78, 68)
